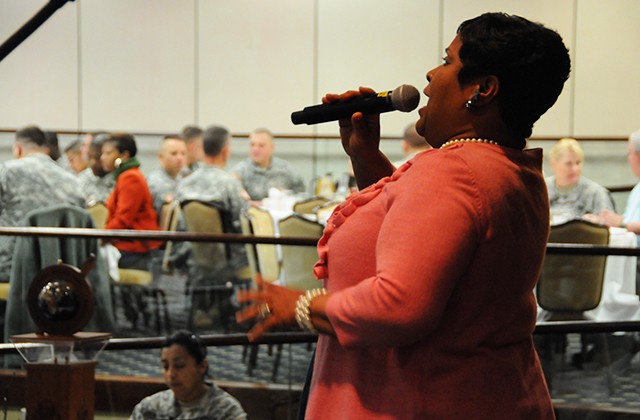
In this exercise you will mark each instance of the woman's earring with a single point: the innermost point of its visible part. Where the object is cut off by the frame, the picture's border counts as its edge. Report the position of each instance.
(472, 102)
(118, 162)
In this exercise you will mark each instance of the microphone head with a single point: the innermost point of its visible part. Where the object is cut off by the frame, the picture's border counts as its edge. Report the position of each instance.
(405, 98)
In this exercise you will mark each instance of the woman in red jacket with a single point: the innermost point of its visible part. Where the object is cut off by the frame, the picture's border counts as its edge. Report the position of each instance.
(130, 204)
(130, 207)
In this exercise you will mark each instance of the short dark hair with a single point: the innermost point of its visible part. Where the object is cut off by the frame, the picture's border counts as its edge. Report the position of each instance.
(530, 61)
(214, 139)
(73, 147)
(191, 132)
(51, 140)
(31, 134)
(190, 341)
(98, 141)
(125, 142)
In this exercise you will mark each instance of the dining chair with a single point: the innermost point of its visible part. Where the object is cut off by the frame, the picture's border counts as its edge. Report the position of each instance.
(324, 211)
(170, 214)
(212, 277)
(570, 285)
(267, 255)
(250, 249)
(129, 279)
(309, 205)
(266, 262)
(99, 212)
(142, 280)
(33, 253)
(298, 261)
(4, 294)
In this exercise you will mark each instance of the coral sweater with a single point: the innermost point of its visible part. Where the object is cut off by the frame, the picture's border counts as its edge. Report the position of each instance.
(431, 272)
(131, 207)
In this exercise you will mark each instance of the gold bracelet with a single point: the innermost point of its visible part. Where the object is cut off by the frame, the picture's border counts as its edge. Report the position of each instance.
(303, 313)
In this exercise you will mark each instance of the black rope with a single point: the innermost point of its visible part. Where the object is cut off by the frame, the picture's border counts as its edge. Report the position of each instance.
(30, 27)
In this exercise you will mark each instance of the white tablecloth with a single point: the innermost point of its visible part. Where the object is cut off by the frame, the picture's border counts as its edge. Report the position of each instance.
(619, 299)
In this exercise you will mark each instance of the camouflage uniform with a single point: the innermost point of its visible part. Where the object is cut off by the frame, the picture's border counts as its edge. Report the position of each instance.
(28, 183)
(215, 185)
(215, 405)
(188, 170)
(257, 180)
(161, 185)
(95, 189)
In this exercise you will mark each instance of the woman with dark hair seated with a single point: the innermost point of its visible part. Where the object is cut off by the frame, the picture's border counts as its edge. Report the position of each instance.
(190, 396)
(130, 204)
(130, 207)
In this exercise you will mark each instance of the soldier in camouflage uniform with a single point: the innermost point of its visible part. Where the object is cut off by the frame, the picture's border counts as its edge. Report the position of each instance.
(211, 183)
(261, 170)
(95, 183)
(163, 181)
(192, 135)
(185, 366)
(32, 180)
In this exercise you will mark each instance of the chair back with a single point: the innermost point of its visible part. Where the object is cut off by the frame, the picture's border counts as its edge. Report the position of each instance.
(268, 261)
(252, 257)
(203, 217)
(4, 290)
(324, 211)
(309, 205)
(99, 212)
(298, 261)
(572, 284)
(33, 253)
(169, 215)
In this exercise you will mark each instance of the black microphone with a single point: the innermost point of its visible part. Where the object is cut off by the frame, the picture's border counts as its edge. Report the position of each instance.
(404, 98)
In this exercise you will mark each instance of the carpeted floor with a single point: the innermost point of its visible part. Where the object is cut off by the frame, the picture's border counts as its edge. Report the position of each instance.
(287, 364)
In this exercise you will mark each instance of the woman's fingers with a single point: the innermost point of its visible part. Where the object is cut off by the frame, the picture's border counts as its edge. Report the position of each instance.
(261, 327)
(366, 90)
(345, 96)
(258, 294)
(245, 296)
(248, 313)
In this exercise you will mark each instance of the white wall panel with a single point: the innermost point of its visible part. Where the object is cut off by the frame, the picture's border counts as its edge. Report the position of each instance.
(607, 68)
(137, 64)
(555, 14)
(155, 65)
(38, 79)
(381, 45)
(256, 62)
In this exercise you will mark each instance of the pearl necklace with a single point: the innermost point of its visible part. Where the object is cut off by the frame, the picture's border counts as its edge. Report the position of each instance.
(473, 140)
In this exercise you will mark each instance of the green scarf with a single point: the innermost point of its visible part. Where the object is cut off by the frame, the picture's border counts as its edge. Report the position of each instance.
(131, 163)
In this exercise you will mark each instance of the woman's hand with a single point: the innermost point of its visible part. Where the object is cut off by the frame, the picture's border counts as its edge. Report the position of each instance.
(360, 133)
(361, 140)
(274, 306)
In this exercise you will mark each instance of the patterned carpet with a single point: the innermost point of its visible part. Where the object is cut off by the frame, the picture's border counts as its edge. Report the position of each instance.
(606, 385)
(226, 363)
